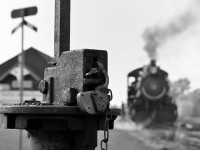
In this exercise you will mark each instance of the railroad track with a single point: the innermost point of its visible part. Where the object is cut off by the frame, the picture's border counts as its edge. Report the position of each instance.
(185, 135)
(191, 130)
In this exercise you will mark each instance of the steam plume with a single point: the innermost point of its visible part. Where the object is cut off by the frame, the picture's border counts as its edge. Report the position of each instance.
(156, 36)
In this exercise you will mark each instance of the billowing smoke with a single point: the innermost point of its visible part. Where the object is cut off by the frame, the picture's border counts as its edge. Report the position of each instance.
(156, 36)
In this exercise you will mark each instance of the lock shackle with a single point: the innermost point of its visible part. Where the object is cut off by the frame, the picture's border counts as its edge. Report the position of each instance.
(106, 78)
(100, 67)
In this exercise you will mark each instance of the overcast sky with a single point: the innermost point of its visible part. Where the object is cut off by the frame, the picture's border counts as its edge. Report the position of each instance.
(116, 26)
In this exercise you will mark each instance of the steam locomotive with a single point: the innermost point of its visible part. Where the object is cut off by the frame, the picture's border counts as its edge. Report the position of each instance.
(149, 103)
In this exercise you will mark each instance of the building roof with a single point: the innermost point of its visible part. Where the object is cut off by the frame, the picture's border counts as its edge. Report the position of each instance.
(35, 61)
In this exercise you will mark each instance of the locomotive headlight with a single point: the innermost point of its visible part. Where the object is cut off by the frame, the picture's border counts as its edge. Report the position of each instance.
(153, 87)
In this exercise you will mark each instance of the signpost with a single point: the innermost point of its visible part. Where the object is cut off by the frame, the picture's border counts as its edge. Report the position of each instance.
(24, 12)
(21, 13)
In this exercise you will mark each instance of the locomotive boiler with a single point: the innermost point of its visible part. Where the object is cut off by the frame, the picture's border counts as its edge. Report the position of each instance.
(149, 103)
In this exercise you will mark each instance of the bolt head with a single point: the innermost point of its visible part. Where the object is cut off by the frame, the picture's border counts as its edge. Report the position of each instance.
(43, 86)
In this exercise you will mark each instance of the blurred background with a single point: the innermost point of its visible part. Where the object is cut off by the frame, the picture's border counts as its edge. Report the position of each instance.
(132, 31)
(120, 28)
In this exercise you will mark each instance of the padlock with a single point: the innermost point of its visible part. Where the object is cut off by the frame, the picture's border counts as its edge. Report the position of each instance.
(92, 102)
(96, 101)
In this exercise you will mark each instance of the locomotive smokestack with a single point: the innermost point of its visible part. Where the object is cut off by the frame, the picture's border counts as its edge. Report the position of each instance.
(153, 62)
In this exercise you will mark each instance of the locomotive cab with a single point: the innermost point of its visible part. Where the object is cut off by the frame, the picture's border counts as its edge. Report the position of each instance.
(132, 81)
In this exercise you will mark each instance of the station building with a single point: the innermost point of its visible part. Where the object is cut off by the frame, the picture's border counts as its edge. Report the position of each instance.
(10, 74)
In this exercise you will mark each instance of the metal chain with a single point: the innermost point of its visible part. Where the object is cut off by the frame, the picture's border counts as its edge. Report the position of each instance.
(108, 117)
(104, 142)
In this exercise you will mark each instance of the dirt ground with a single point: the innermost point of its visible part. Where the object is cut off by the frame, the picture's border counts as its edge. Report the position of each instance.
(9, 140)
(122, 140)
(119, 140)
(128, 136)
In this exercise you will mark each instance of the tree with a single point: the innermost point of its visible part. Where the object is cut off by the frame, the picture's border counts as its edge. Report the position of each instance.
(195, 97)
(179, 87)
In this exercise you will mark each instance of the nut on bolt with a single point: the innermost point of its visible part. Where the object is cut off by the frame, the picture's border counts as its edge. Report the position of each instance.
(43, 86)
(69, 96)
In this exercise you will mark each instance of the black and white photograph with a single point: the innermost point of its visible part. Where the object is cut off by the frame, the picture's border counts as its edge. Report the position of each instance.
(100, 75)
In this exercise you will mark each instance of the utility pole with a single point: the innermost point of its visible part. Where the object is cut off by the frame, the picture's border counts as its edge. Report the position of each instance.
(21, 13)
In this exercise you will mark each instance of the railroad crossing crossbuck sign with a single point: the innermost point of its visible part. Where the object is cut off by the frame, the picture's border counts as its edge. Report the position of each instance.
(22, 13)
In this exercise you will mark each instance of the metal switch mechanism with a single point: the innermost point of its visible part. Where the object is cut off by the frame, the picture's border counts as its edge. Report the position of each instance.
(96, 101)
(58, 121)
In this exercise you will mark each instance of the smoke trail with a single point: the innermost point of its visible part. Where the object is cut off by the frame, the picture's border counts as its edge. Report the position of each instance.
(156, 36)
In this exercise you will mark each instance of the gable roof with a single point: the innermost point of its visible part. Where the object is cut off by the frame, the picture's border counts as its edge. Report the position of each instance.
(35, 61)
